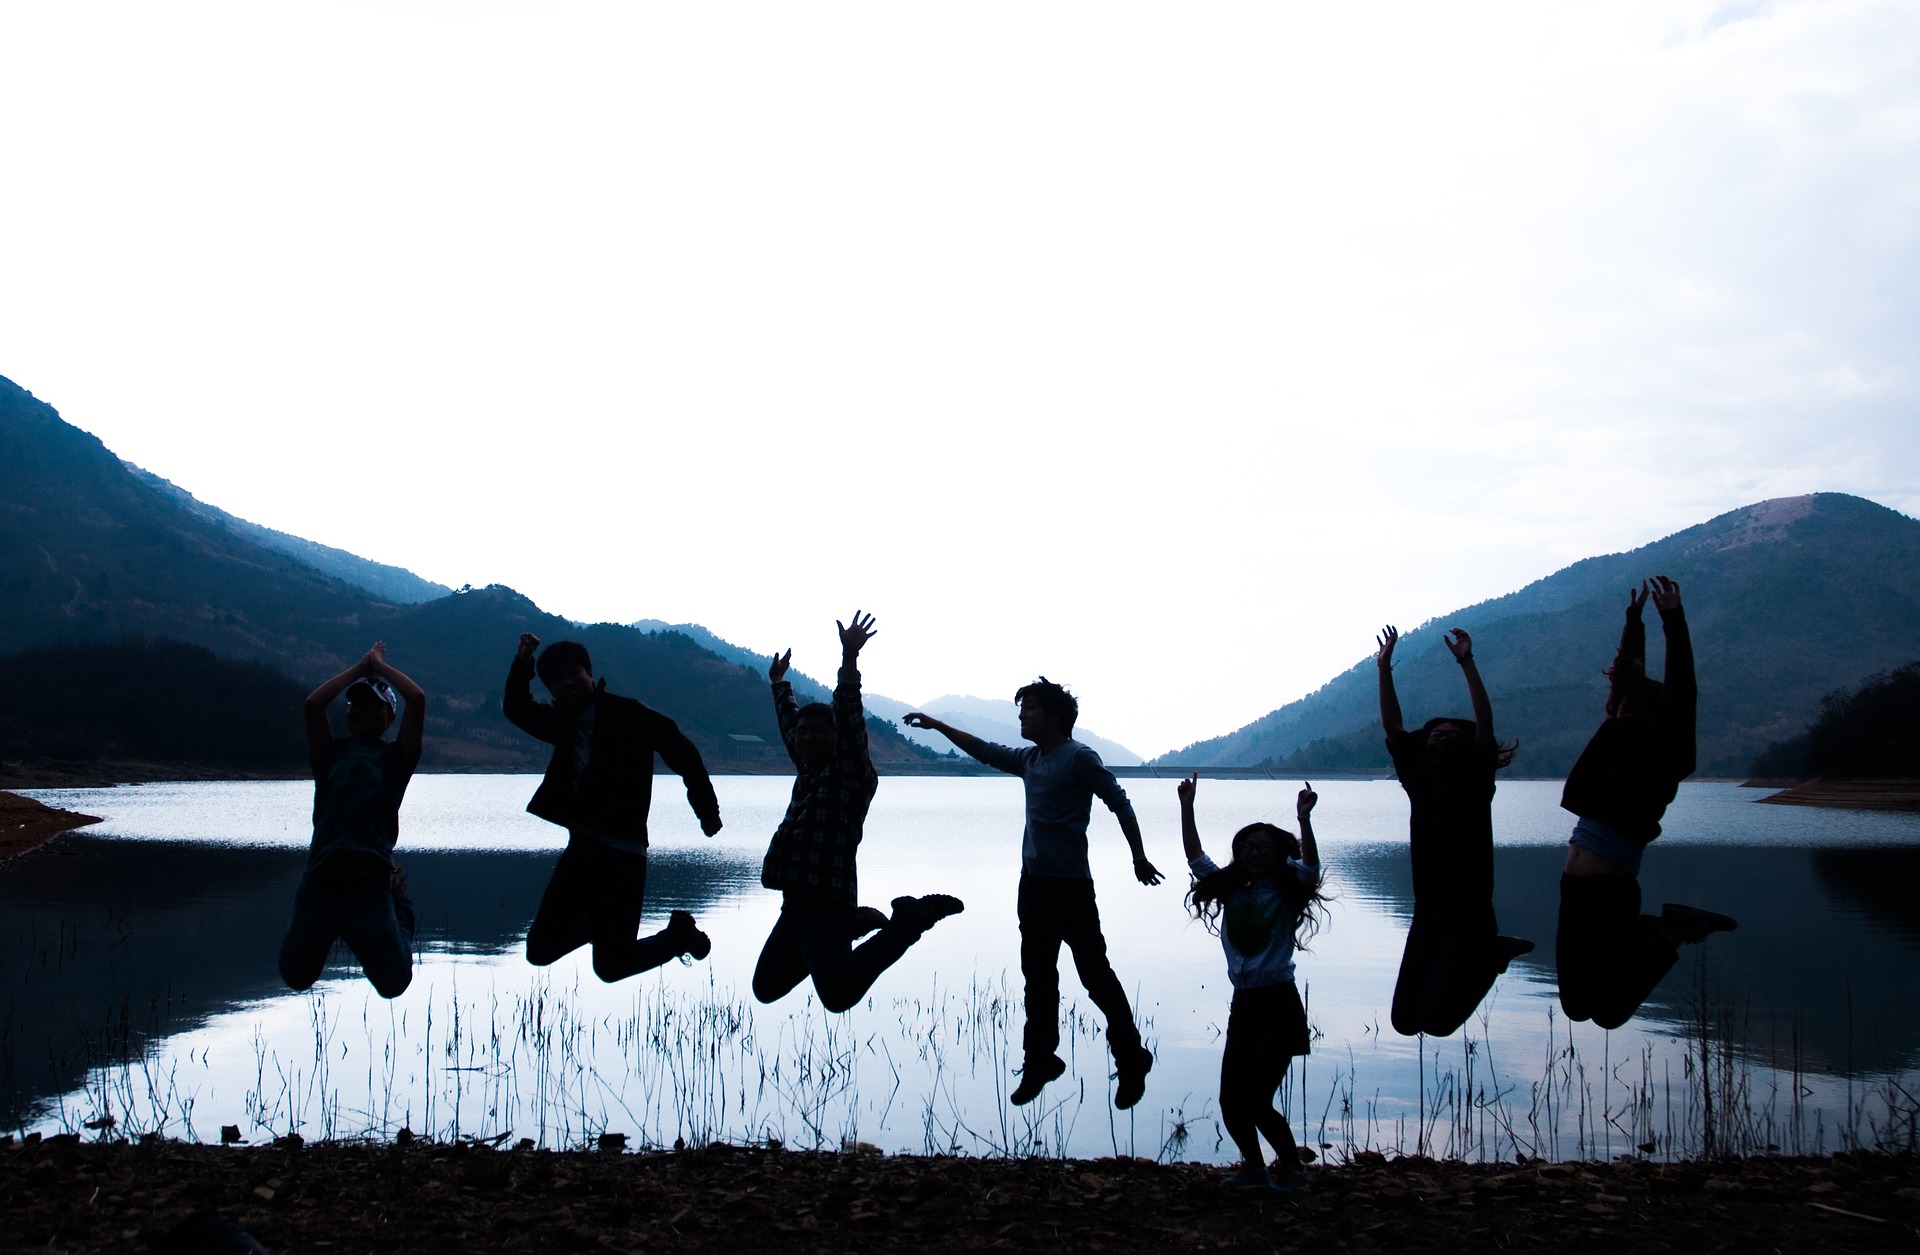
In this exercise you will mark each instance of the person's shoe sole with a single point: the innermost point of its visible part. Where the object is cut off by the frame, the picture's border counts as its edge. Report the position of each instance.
(924, 912)
(1034, 1078)
(693, 942)
(1133, 1081)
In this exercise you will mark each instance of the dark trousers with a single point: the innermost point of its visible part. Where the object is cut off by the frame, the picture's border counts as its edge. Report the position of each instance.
(1609, 955)
(1446, 968)
(816, 939)
(365, 912)
(594, 899)
(1056, 910)
(1266, 1028)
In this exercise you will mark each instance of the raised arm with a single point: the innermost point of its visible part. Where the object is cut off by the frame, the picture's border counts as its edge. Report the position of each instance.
(319, 730)
(969, 743)
(413, 719)
(1683, 692)
(536, 719)
(849, 716)
(786, 709)
(1189, 830)
(1303, 811)
(1460, 645)
(1390, 722)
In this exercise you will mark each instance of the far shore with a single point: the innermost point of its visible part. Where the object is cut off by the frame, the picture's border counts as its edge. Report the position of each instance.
(1855, 795)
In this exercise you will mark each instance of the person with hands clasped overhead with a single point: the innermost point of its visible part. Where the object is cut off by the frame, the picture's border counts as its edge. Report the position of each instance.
(1263, 904)
(1056, 904)
(599, 787)
(352, 889)
(1453, 949)
(811, 858)
(1609, 955)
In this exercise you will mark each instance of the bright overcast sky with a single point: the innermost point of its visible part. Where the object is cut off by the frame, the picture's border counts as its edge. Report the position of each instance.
(1167, 349)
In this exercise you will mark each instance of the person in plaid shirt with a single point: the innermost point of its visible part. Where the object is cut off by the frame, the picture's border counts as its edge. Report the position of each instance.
(811, 857)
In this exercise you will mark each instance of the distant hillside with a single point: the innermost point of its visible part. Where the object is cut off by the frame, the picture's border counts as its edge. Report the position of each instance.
(1788, 600)
(389, 583)
(1869, 732)
(92, 552)
(984, 717)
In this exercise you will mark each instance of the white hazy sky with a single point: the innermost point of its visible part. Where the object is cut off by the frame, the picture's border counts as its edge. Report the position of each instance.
(1167, 349)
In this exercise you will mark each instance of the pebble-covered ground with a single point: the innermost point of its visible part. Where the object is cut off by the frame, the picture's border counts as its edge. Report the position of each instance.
(421, 1198)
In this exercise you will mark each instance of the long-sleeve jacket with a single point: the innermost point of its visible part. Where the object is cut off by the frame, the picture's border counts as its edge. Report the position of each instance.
(609, 797)
(812, 851)
(1632, 767)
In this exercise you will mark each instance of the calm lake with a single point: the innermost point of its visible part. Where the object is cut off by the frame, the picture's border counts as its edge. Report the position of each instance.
(137, 969)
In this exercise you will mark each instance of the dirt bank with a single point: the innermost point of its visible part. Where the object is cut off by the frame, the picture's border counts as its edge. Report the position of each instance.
(425, 1199)
(25, 823)
(1862, 795)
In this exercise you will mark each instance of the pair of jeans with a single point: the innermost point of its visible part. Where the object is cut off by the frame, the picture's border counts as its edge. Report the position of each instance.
(1447, 967)
(1266, 1028)
(376, 922)
(1609, 956)
(1057, 910)
(815, 939)
(594, 898)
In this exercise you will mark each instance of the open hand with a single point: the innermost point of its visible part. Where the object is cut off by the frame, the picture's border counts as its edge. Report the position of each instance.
(777, 669)
(1459, 644)
(1666, 594)
(852, 638)
(1388, 638)
(1146, 873)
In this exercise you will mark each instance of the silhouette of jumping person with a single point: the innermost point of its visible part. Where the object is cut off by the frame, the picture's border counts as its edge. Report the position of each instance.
(1262, 904)
(1453, 949)
(811, 858)
(1056, 903)
(599, 786)
(1609, 955)
(351, 889)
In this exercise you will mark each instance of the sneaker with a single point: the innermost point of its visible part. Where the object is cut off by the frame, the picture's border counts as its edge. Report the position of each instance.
(1034, 1077)
(866, 919)
(682, 931)
(1689, 925)
(1294, 1175)
(1507, 949)
(924, 912)
(1132, 1072)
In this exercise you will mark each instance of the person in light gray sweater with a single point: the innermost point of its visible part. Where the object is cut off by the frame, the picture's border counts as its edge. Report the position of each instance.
(1056, 903)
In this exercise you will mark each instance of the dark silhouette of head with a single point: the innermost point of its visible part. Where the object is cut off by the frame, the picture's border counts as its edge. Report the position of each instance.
(814, 738)
(1045, 700)
(1630, 694)
(370, 706)
(1260, 852)
(1451, 741)
(566, 669)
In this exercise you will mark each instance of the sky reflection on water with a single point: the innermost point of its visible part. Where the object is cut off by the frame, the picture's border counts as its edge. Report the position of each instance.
(165, 920)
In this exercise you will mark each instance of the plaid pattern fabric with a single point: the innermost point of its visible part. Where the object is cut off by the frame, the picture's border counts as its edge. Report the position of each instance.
(812, 852)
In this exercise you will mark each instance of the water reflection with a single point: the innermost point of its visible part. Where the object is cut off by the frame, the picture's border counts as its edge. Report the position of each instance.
(103, 936)
(166, 920)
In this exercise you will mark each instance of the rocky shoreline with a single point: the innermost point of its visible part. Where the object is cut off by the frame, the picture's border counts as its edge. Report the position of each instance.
(425, 1198)
(25, 824)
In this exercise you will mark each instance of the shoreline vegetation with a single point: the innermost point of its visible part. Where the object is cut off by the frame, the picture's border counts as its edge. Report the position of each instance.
(425, 1197)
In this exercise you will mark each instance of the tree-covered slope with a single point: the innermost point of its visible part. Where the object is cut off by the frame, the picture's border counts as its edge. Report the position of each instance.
(1787, 599)
(92, 552)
